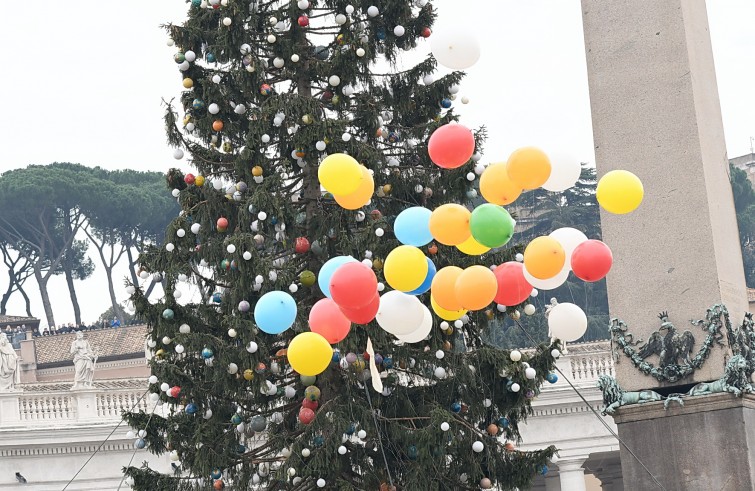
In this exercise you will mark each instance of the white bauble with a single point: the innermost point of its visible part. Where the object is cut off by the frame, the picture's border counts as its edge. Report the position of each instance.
(271, 39)
(178, 154)
(227, 21)
(190, 56)
(428, 79)
(515, 387)
(303, 4)
(373, 11)
(295, 58)
(252, 347)
(175, 193)
(195, 228)
(213, 108)
(361, 52)
(183, 66)
(529, 309)
(515, 355)
(379, 232)
(440, 373)
(399, 31)
(362, 434)
(170, 247)
(321, 483)
(278, 62)
(555, 353)
(181, 232)
(152, 379)
(334, 80)
(231, 248)
(340, 19)
(349, 9)
(342, 450)
(321, 146)
(245, 49)
(530, 373)
(184, 329)
(478, 446)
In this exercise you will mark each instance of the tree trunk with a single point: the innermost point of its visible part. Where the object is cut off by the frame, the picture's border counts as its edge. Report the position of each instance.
(42, 283)
(72, 292)
(6, 297)
(131, 264)
(117, 311)
(26, 299)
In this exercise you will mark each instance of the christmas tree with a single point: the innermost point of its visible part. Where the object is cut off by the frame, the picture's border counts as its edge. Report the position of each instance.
(325, 174)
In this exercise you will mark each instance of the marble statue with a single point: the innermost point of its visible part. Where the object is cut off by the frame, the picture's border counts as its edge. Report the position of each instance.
(84, 360)
(8, 365)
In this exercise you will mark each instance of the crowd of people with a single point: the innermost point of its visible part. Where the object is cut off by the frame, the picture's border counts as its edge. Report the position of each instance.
(18, 333)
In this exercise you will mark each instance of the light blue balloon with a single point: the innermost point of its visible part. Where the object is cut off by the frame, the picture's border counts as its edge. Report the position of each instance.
(327, 270)
(275, 312)
(425, 286)
(412, 226)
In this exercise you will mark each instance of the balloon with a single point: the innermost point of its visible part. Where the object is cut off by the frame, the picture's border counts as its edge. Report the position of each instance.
(567, 322)
(529, 167)
(476, 287)
(412, 226)
(361, 196)
(550, 283)
(327, 270)
(309, 353)
(491, 225)
(275, 312)
(399, 313)
(454, 47)
(591, 260)
(565, 172)
(449, 224)
(569, 238)
(422, 331)
(619, 192)
(497, 187)
(405, 268)
(544, 257)
(513, 287)
(352, 285)
(364, 314)
(425, 286)
(471, 247)
(449, 315)
(340, 174)
(444, 287)
(451, 146)
(326, 319)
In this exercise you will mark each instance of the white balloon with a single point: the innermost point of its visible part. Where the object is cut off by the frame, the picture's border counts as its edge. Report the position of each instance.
(421, 332)
(567, 322)
(455, 48)
(569, 238)
(565, 171)
(400, 313)
(550, 283)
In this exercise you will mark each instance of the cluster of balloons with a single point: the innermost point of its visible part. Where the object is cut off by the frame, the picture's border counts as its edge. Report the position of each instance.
(350, 184)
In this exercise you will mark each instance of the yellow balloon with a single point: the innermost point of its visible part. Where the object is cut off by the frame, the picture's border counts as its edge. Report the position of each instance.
(529, 167)
(340, 174)
(497, 187)
(309, 353)
(449, 224)
(405, 268)
(471, 247)
(361, 196)
(619, 192)
(448, 315)
(544, 257)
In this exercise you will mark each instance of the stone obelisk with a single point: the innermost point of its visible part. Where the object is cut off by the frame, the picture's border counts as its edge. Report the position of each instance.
(656, 113)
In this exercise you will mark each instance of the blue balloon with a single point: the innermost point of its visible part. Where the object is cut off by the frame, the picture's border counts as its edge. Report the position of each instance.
(412, 226)
(275, 312)
(327, 270)
(428, 281)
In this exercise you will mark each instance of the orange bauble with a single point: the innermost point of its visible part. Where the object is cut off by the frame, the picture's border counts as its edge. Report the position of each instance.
(217, 125)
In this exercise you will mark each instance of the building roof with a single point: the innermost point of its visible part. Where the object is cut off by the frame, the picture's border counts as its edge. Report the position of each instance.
(122, 383)
(109, 344)
(14, 320)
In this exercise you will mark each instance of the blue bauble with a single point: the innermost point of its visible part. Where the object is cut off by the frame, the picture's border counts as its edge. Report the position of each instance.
(544, 470)
(196, 3)
(380, 34)
(217, 297)
(216, 473)
(140, 443)
(274, 220)
(378, 359)
(412, 453)
(318, 441)
(456, 407)
(236, 419)
(388, 362)
(445, 103)
(210, 58)
(503, 422)
(321, 52)
(207, 353)
(552, 378)
(191, 408)
(241, 449)
(197, 104)
(351, 429)
(168, 314)
(336, 356)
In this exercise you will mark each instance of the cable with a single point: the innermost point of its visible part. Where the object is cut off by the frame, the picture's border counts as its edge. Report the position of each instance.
(380, 439)
(103, 442)
(135, 449)
(592, 409)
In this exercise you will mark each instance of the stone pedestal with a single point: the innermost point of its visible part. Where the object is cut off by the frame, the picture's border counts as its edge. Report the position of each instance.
(9, 412)
(85, 402)
(656, 113)
(707, 444)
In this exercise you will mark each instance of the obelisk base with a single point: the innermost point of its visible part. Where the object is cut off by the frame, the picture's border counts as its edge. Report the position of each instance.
(707, 444)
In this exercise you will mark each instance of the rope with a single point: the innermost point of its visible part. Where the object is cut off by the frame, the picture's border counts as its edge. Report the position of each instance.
(377, 430)
(135, 449)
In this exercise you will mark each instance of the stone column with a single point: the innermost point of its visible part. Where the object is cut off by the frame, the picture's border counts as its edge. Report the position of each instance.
(552, 482)
(656, 113)
(571, 473)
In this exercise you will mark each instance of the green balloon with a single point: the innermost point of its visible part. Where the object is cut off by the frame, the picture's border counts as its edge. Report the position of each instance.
(491, 225)
(308, 380)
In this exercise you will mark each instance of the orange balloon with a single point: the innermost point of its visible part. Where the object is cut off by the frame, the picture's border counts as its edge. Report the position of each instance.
(476, 287)
(449, 224)
(497, 187)
(361, 196)
(529, 167)
(443, 288)
(544, 257)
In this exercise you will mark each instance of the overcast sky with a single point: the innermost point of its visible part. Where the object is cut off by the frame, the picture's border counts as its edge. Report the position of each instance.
(84, 82)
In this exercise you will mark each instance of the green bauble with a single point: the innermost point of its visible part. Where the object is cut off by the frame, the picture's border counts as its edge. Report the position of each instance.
(307, 278)
(179, 57)
(491, 225)
(308, 380)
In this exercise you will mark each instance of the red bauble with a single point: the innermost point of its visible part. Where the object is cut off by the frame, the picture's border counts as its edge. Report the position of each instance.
(218, 484)
(513, 288)
(376, 215)
(189, 179)
(426, 32)
(364, 314)
(353, 285)
(175, 391)
(451, 146)
(302, 245)
(303, 21)
(326, 319)
(313, 405)
(222, 224)
(591, 260)
(306, 415)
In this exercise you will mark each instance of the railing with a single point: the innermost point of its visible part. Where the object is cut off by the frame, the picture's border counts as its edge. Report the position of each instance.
(46, 407)
(583, 363)
(112, 404)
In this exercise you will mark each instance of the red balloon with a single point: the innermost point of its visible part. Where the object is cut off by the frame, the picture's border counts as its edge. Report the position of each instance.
(451, 146)
(327, 320)
(364, 314)
(313, 405)
(353, 285)
(591, 260)
(513, 288)
(306, 415)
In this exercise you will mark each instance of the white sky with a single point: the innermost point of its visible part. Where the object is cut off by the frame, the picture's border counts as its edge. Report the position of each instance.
(84, 82)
